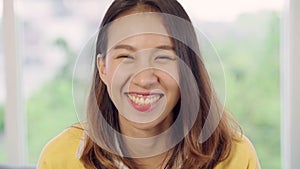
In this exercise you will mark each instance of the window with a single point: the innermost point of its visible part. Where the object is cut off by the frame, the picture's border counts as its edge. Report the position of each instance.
(246, 36)
(52, 33)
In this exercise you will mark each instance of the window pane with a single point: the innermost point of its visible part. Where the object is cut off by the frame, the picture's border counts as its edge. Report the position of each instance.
(53, 34)
(247, 40)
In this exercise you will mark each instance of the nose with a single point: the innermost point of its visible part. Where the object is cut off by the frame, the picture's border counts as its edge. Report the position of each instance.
(145, 79)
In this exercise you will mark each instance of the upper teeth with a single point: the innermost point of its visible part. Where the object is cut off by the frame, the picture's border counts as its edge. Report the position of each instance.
(144, 100)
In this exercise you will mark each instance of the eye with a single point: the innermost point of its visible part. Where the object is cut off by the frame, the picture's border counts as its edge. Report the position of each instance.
(165, 57)
(124, 57)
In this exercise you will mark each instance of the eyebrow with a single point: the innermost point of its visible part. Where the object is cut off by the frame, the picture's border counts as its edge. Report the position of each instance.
(131, 48)
(165, 47)
(127, 47)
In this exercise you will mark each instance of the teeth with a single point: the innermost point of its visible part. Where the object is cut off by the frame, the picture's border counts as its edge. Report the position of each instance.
(147, 101)
(143, 100)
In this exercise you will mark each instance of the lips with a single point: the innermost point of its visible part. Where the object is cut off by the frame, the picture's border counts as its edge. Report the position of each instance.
(143, 101)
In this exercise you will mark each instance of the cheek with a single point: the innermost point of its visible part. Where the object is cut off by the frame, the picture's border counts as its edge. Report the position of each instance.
(111, 68)
(174, 89)
(170, 72)
(171, 85)
(170, 79)
(116, 76)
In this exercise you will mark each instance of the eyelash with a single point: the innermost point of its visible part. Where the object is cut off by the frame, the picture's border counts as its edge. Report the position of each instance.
(158, 57)
(124, 56)
(165, 57)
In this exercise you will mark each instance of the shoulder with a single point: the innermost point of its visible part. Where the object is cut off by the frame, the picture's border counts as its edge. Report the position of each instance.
(242, 155)
(60, 152)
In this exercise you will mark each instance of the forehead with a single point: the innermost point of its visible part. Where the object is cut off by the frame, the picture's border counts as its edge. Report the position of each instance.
(140, 27)
(144, 41)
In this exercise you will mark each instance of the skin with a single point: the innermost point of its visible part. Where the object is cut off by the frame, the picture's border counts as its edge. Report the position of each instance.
(144, 64)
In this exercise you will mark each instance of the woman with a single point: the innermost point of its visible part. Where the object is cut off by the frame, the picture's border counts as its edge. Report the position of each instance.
(151, 104)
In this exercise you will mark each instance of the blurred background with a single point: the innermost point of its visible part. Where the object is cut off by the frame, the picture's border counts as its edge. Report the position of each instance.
(51, 33)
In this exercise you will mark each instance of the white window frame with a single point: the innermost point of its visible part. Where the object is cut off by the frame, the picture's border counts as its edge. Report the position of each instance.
(14, 127)
(290, 86)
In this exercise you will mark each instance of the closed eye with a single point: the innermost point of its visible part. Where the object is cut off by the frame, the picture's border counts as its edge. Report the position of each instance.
(165, 58)
(124, 57)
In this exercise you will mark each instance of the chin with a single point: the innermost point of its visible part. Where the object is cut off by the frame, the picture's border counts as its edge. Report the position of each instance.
(147, 129)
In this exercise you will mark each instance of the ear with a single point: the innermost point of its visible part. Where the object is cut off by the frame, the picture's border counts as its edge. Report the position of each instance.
(101, 68)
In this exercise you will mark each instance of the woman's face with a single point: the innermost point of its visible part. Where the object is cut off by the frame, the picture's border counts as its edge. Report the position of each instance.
(141, 73)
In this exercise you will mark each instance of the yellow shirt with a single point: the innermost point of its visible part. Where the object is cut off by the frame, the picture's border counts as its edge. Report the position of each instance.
(62, 151)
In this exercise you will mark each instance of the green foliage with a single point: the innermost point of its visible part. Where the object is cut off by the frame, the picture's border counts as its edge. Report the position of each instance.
(50, 110)
(252, 76)
(1, 118)
(2, 155)
(66, 71)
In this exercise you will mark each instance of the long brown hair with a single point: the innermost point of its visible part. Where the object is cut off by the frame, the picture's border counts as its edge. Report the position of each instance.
(189, 151)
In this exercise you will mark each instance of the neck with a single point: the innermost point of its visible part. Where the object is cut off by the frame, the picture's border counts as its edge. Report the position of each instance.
(147, 143)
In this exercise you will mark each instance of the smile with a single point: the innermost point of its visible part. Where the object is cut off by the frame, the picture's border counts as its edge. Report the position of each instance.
(143, 102)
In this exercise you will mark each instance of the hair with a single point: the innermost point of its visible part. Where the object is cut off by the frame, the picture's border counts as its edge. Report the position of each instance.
(189, 151)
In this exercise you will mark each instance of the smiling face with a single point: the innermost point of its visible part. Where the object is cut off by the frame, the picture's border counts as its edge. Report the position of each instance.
(141, 74)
